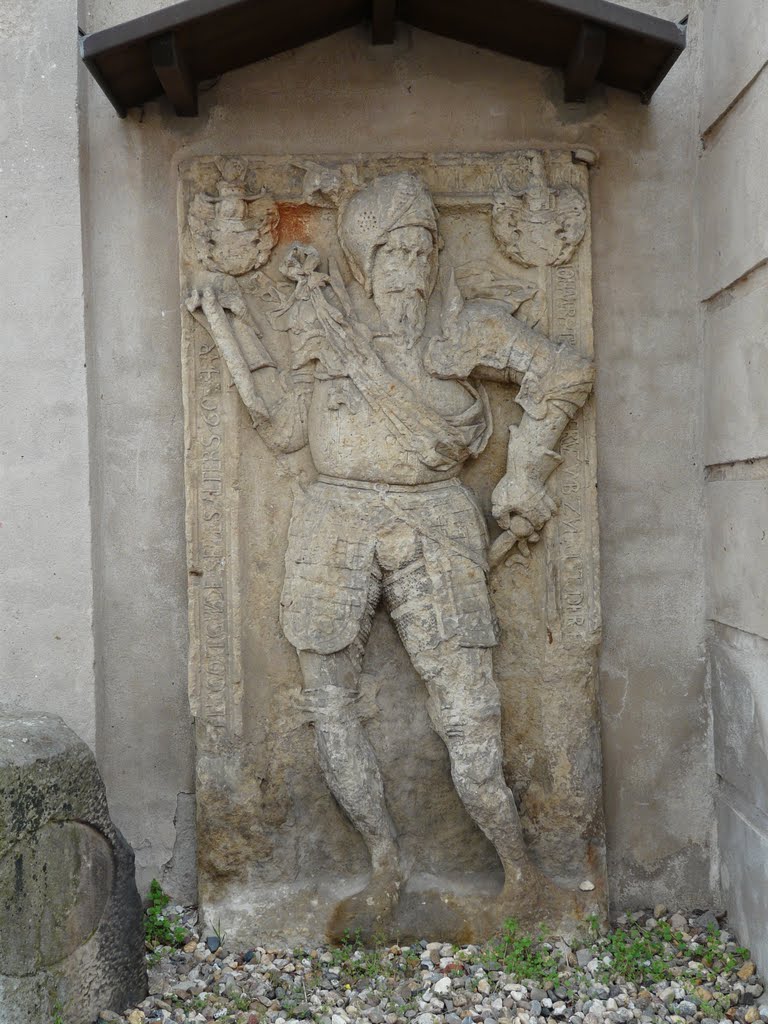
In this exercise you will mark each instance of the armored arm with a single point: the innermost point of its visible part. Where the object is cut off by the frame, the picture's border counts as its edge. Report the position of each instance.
(484, 339)
(276, 401)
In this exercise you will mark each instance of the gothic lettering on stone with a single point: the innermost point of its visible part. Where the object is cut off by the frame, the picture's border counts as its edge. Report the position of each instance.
(373, 320)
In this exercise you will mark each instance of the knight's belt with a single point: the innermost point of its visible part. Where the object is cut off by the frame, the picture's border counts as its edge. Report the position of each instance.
(385, 488)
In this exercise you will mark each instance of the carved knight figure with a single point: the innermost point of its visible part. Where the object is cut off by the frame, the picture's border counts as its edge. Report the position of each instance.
(391, 416)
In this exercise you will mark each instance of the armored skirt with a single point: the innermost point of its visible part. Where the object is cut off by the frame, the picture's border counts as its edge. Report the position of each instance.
(421, 547)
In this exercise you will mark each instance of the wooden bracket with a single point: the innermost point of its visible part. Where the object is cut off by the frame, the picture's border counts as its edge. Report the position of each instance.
(584, 62)
(174, 74)
(383, 22)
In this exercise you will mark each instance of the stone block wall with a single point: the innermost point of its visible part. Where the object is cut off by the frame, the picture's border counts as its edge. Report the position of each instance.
(733, 236)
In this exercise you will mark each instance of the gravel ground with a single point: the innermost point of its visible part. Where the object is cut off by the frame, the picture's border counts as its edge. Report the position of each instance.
(652, 966)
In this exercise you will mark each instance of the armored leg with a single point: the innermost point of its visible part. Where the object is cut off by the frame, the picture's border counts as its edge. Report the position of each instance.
(346, 755)
(353, 776)
(464, 708)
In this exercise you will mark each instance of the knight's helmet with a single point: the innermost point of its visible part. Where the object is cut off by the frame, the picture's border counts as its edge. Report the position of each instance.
(365, 219)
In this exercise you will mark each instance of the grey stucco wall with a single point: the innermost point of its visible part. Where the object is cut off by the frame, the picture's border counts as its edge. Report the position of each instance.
(423, 94)
(46, 640)
(733, 218)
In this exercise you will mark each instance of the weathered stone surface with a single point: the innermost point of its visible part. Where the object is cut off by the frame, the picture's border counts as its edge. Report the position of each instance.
(743, 831)
(733, 204)
(46, 629)
(71, 941)
(354, 364)
(735, 48)
(737, 374)
(740, 712)
(732, 243)
(738, 553)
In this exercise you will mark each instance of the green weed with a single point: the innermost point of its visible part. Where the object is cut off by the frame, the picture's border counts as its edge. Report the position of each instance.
(637, 954)
(356, 961)
(159, 929)
(523, 956)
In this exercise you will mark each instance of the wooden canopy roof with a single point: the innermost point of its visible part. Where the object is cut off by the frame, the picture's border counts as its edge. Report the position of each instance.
(170, 51)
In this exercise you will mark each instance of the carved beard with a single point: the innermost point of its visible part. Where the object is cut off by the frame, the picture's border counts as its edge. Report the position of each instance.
(404, 314)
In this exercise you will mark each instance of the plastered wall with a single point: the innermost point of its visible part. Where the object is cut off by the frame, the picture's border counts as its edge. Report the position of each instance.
(46, 640)
(424, 94)
(733, 219)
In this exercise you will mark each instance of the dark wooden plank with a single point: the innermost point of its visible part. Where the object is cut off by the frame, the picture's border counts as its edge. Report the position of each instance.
(524, 28)
(157, 23)
(173, 72)
(610, 15)
(106, 86)
(216, 36)
(621, 19)
(231, 40)
(584, 63)
(228, 43)
(383, 22)
(664, 67)
(545, 31)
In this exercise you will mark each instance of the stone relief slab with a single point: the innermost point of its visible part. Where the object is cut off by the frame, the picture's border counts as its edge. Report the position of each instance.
(392, 542)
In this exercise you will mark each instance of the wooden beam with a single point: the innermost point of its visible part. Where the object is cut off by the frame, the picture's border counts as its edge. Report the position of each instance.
(174, 74)
(585, 62)
(383, 19)
(217, 36)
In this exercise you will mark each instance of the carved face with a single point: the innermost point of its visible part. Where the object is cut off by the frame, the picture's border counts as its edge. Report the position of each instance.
(402, 280)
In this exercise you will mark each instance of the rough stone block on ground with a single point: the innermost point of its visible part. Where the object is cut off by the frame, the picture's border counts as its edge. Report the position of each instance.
(71, 941)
